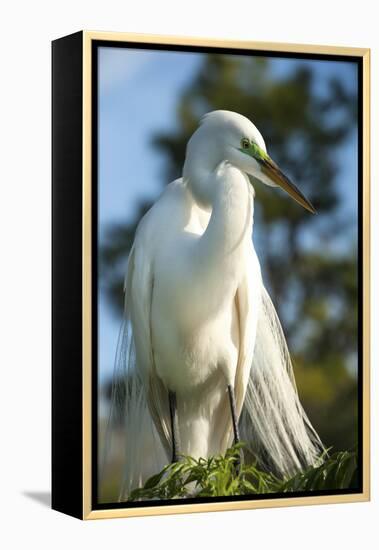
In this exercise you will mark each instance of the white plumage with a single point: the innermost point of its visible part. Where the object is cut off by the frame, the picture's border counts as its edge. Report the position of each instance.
(198, 318)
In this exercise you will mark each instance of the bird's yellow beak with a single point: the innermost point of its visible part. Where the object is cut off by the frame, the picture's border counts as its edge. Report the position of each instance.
(271, 170)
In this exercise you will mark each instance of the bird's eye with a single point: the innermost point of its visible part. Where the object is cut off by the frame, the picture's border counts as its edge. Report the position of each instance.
(245, 143)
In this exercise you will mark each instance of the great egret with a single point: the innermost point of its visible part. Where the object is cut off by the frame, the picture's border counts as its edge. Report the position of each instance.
(202, 352)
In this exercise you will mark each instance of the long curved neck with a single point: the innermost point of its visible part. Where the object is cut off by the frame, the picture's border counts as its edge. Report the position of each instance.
(220, 250)
(230, 225)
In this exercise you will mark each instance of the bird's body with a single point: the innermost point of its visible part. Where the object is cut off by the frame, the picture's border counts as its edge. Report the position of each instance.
(195, 300)
(195, 320)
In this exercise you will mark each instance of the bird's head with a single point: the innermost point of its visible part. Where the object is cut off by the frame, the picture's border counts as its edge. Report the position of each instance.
(229, 136)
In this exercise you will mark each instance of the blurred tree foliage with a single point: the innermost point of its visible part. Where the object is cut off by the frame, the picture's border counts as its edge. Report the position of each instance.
(313, 282)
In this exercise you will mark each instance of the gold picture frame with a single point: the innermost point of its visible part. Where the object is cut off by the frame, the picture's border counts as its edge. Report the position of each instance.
(79, 47)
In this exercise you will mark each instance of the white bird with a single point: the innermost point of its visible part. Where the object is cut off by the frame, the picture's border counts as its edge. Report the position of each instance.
(202, 350)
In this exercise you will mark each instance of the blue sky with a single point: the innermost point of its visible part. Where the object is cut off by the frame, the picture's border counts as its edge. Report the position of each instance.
(138, 92)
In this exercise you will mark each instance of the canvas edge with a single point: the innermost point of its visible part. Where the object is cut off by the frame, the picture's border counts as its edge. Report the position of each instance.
(364, 496)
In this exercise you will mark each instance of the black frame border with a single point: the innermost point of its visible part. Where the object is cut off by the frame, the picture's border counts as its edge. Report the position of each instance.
(67, 257)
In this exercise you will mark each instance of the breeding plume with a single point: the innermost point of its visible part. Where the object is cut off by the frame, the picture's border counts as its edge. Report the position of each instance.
(202, 357)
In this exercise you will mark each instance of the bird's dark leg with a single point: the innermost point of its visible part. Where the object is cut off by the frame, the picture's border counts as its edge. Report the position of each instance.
(232, 401)
(174, 426)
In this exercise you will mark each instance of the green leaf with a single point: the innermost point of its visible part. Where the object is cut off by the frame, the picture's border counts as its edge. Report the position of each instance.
(218, 476)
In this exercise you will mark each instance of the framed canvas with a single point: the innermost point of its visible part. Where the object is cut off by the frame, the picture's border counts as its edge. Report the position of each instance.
(210, 335)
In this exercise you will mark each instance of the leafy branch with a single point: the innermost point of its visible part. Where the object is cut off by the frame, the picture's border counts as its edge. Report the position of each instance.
(226, 475)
